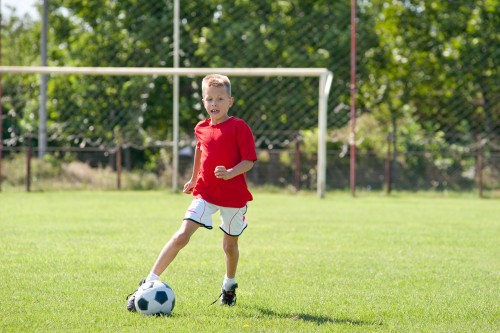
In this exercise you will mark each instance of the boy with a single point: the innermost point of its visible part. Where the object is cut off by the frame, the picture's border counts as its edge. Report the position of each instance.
(225, 151)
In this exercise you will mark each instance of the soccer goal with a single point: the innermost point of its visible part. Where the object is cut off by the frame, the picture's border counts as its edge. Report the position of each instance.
(83, 129)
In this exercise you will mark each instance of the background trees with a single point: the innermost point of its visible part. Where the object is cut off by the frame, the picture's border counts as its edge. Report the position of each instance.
(427, 73)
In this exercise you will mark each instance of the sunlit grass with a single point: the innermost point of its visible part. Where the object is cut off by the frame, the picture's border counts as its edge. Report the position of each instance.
(370, 264)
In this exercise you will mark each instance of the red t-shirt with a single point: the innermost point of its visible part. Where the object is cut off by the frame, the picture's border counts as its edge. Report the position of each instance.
(227, 144)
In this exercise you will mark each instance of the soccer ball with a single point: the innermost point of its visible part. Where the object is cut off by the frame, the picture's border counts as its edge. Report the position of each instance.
(155, 298)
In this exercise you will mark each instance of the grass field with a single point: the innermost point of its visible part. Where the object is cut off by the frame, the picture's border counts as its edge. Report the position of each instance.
(371, 264)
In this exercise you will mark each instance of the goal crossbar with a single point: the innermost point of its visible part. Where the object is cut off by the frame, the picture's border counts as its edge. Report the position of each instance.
(135, 71)
(325, 81)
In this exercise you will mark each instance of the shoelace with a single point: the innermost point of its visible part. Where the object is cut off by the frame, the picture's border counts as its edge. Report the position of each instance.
(231, 292)
(140, 284)
(218, 297)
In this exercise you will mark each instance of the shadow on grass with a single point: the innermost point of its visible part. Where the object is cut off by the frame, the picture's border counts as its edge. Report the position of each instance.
(319, 320)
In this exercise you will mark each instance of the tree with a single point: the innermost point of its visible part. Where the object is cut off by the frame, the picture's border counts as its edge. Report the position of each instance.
(437, 59)
(20, 104)
(435, 65)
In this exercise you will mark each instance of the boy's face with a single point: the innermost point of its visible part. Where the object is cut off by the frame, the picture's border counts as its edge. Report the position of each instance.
(217, 102)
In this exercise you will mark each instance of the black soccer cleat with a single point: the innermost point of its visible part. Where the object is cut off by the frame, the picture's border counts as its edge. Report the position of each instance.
(131, 298)
(228, 297)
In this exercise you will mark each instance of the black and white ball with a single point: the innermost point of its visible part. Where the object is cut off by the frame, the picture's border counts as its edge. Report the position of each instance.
(155, 298)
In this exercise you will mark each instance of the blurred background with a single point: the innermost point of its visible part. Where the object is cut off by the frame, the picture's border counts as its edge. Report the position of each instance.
(426, 103)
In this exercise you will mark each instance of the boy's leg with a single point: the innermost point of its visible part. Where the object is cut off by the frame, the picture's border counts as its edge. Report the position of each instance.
(174, 245)
(229, 285)
(230, 245)
(233, 224)
(167, 254)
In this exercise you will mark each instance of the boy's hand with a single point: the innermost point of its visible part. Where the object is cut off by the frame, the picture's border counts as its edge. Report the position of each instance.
(188, 187)
(222, 173)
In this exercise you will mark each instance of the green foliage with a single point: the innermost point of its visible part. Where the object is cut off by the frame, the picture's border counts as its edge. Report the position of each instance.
(427, 73)
(20, 46)
(433, 59)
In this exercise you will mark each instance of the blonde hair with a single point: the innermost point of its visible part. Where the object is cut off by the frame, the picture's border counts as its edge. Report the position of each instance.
(216, 80)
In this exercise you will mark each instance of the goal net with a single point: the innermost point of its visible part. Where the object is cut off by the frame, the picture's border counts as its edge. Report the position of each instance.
(85, 108)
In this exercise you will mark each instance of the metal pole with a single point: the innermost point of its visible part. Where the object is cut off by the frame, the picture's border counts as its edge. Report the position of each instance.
(297, 171)
(325, 82)
(352, 138)
(175, 158)
(479, 165)
(394, 164)
(167, 71)
(388, 178)
(321, 180)
(118, 162)
(28, 162)
(42, 127)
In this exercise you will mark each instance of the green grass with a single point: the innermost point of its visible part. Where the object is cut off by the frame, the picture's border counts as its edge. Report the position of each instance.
(371, 264)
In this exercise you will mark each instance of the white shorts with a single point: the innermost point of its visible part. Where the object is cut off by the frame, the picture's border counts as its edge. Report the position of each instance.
(233, 219)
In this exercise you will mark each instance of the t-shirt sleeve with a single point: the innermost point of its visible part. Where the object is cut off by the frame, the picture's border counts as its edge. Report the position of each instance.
(196, 135)
(246, 142)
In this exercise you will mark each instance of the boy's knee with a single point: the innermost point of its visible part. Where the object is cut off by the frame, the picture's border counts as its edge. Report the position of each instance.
(180, 239)
(230, 247)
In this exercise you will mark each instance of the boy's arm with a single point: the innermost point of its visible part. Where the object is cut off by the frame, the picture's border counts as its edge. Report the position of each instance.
(188, 187)
(242, 167)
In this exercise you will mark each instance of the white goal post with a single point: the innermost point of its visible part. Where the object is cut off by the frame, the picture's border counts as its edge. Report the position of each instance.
(325, 82)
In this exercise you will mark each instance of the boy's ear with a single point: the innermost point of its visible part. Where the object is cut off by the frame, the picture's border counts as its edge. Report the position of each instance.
(231, 101)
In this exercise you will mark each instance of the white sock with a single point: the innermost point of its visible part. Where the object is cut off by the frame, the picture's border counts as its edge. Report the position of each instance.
(152, 276)
(228, 283)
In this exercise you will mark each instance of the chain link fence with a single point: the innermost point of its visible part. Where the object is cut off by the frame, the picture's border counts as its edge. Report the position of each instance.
(428, 109)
